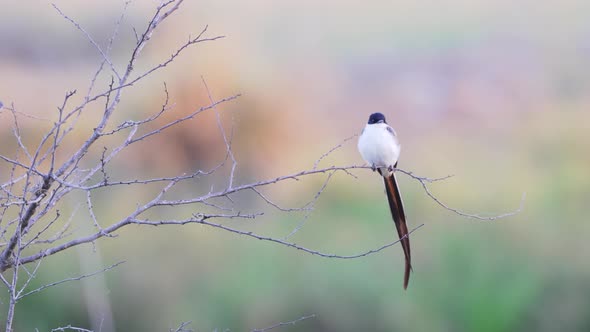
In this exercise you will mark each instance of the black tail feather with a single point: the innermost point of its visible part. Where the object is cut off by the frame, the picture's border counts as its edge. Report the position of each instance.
(399, 218)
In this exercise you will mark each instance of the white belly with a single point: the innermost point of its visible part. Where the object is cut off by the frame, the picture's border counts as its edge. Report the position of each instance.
(379, 147)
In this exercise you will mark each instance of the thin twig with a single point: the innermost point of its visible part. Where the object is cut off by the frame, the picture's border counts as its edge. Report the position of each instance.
(36, 290)
(70, 327)
(182, 327)
(293, 322)
(298, 247)
(90, 39)
(224, 135)
(317, 162)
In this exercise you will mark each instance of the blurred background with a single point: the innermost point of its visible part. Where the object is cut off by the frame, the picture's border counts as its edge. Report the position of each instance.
(496, 93)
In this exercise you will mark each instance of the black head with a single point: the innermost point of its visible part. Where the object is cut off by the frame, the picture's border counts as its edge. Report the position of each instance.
(377, 118)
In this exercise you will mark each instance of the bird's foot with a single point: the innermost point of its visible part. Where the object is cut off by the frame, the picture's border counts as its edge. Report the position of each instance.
(373, 167)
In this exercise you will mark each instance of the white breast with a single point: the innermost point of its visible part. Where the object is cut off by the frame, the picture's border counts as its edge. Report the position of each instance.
(378, 146)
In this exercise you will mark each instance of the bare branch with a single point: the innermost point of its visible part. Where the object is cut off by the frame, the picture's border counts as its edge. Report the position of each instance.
(310, 205)
(224, 135)
(32, 198)
(295, 246)
(57, 236)
(84, 276)
(129, 123)
(190, 42)
(423, 181)
(317, 162)
(187, 117)
(5, 256)
(49, 224)
(57, 129)
(158, 17)
(31, 193)
(293, 322)
(158, 201)
(182, 327)
(17, 134)
(90, 39)
(70, 328)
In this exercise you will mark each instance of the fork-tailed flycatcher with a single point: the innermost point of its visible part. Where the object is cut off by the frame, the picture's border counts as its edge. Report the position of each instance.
(379, 147)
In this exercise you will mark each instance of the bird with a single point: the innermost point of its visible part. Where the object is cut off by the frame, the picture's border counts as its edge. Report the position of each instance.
(380, 148)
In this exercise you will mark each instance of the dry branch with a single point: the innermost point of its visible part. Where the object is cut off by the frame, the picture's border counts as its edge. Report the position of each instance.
(39, 181)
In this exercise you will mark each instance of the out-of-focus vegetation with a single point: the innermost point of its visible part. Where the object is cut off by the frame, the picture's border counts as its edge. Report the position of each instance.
(497, 94)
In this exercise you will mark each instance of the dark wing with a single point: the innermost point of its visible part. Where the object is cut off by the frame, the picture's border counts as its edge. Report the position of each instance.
(389, 129)
(399, 218)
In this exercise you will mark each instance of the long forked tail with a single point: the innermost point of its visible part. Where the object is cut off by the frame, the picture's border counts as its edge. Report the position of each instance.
(399, 218)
